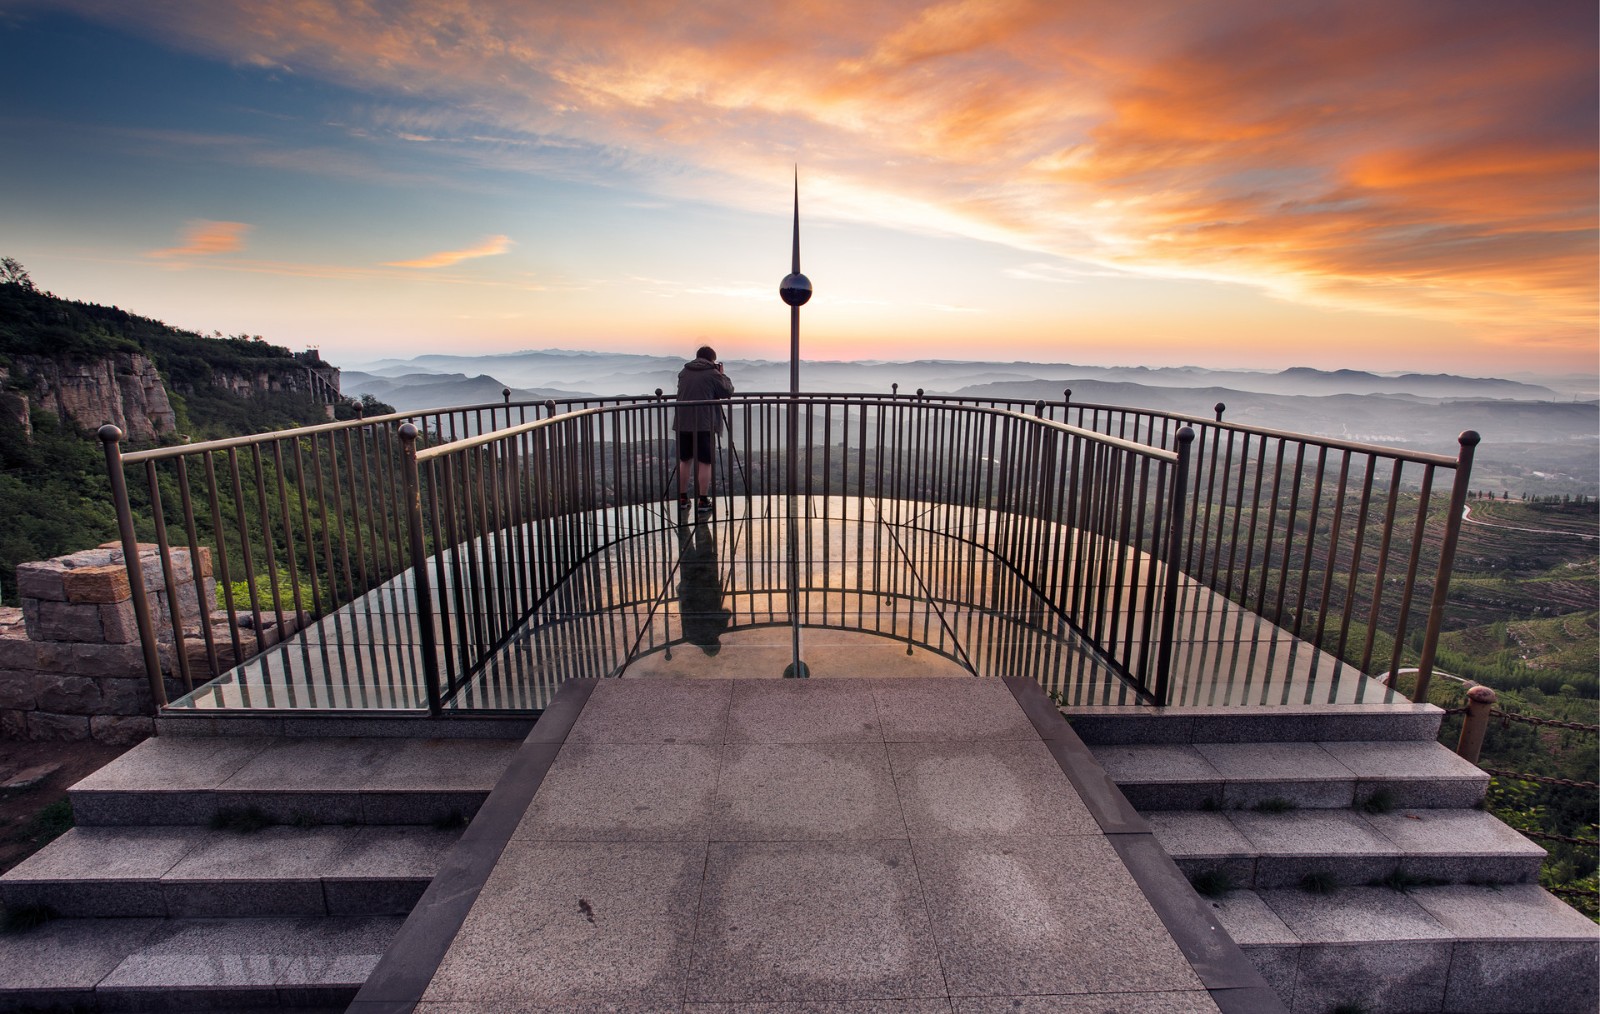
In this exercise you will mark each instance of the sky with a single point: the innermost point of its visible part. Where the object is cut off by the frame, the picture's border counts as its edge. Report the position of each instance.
(1369, 184)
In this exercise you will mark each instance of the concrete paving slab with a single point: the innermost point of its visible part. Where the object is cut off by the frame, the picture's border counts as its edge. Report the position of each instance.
(796, 711)
(62, 960)
(276, 871)
(1162, 776)
(175, 764)
(1302, 774)
(1465, 846)
(625, 792)
(383, 870)
(1205, 843)
(949, 711)
(1337, 842)
(1042, 916)
(651, 711)
(1269, 944)
(812, 921)
(806, 792)
(922, 1006)
(100, 871)
(985, 789)
(552, 925)
(1420, 774)
(1376, 948)
(1189, 1002)
(1516, 941)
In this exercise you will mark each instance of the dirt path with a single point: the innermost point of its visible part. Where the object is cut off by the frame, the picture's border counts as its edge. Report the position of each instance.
(22, 830)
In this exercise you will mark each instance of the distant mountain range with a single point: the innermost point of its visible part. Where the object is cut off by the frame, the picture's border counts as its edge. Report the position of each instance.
(1531, 433)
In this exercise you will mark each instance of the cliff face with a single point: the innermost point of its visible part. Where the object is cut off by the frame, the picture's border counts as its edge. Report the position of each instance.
(122, 388)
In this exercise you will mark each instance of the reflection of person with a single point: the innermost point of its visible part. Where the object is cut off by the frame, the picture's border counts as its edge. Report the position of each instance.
(697, 425)
(700, 590)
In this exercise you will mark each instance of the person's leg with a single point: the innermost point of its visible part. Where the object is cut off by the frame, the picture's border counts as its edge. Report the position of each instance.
(686, 442)
(704, 442)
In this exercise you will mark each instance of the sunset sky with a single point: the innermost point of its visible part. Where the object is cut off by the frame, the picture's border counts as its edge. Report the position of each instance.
(1384, 185)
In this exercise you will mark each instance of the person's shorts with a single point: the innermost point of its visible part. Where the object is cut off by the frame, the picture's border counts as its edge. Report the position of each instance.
(695, 445)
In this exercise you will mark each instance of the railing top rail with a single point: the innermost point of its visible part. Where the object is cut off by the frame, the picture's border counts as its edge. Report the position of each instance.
(227, 443)
(1131, 446)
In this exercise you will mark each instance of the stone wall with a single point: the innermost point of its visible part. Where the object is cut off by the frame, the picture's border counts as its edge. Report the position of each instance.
(71, 665)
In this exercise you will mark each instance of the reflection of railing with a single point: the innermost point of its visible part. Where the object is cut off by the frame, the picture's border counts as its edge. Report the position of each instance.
(1086, 520)
(1329, 539)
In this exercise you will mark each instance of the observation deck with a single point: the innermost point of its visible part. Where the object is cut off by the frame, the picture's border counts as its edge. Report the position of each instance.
(1114, 556)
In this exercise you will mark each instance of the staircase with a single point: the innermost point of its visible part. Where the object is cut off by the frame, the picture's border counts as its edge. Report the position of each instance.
(1346, 851)
(239, 872)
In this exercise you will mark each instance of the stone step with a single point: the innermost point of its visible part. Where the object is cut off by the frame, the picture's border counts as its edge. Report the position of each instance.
(1399, 721)
(1252, 849)
(189, 872)
(1459, 949)
(191, 964)
(321, 780)
(1322, 775)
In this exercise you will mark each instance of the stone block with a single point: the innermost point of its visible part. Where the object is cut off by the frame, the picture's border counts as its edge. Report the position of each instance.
(66, 621)
(118, 624)
(18, 691)
(18, 651)
(126, 696)
(45, 725)
(41, 580)
(13, 724)
(107, 583)
(68, 695)
(121, 730)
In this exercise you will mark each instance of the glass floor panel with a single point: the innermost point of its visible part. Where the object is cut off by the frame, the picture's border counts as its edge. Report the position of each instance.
(865, 589)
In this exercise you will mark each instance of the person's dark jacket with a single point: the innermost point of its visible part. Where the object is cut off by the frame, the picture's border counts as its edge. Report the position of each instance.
(700, 381)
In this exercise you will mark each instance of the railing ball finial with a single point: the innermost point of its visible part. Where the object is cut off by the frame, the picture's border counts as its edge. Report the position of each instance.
(1186, 435)
(505, 392)
(919, 392)
(360, 412)
(1220, 408)
(1066, 396)
(1480, 704)
(109, 434)
(894, 390)
(408, 432)
(658, 392)
(1469, 438)
(1038, 408)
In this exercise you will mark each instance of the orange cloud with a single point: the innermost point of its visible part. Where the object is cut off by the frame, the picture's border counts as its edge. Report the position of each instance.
(203, 238)
(1401, 156)
(486, 247)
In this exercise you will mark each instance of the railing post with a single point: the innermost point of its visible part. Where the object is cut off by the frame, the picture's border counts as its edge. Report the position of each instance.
(1447, 561)
(1169, 595)
(1480, 702)
(1219, 408)
(111, 437)
(894, 390)
(419, 569)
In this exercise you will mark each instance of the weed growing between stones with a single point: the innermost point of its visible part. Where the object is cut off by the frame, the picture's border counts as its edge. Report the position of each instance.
(25, 917)
(1319, 882)
(51, 822)
(1381, 801)
(1212, 883)
(1401, 881)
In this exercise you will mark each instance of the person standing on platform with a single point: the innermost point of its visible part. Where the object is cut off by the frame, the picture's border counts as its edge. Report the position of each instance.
(697, 420)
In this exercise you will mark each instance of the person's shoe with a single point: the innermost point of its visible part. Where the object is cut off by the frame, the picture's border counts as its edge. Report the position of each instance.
(683, 502)
(704, 505)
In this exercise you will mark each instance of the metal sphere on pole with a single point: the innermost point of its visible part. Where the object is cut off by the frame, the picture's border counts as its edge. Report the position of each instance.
(795, 290)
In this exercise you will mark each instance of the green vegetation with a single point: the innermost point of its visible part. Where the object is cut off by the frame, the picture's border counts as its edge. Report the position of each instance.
(53, 487)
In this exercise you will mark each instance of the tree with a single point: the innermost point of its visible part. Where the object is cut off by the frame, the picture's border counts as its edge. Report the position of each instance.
(13, 273)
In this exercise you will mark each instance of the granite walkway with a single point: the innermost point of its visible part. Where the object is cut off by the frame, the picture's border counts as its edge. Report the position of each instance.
(904, 845)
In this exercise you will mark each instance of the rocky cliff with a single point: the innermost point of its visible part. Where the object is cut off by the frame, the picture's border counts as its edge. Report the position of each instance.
(123, 388)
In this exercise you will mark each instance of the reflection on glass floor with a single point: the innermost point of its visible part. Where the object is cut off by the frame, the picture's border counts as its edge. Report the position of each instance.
(892, 588)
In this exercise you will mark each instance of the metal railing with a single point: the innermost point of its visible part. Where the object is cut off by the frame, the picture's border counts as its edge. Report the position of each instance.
(1086, 521)
(1330, 539)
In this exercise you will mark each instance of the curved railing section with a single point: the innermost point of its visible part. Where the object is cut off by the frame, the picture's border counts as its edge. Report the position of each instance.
(487, 509)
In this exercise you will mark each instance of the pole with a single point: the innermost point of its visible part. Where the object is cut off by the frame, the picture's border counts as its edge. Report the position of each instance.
(1447, 561)
(111, 436)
